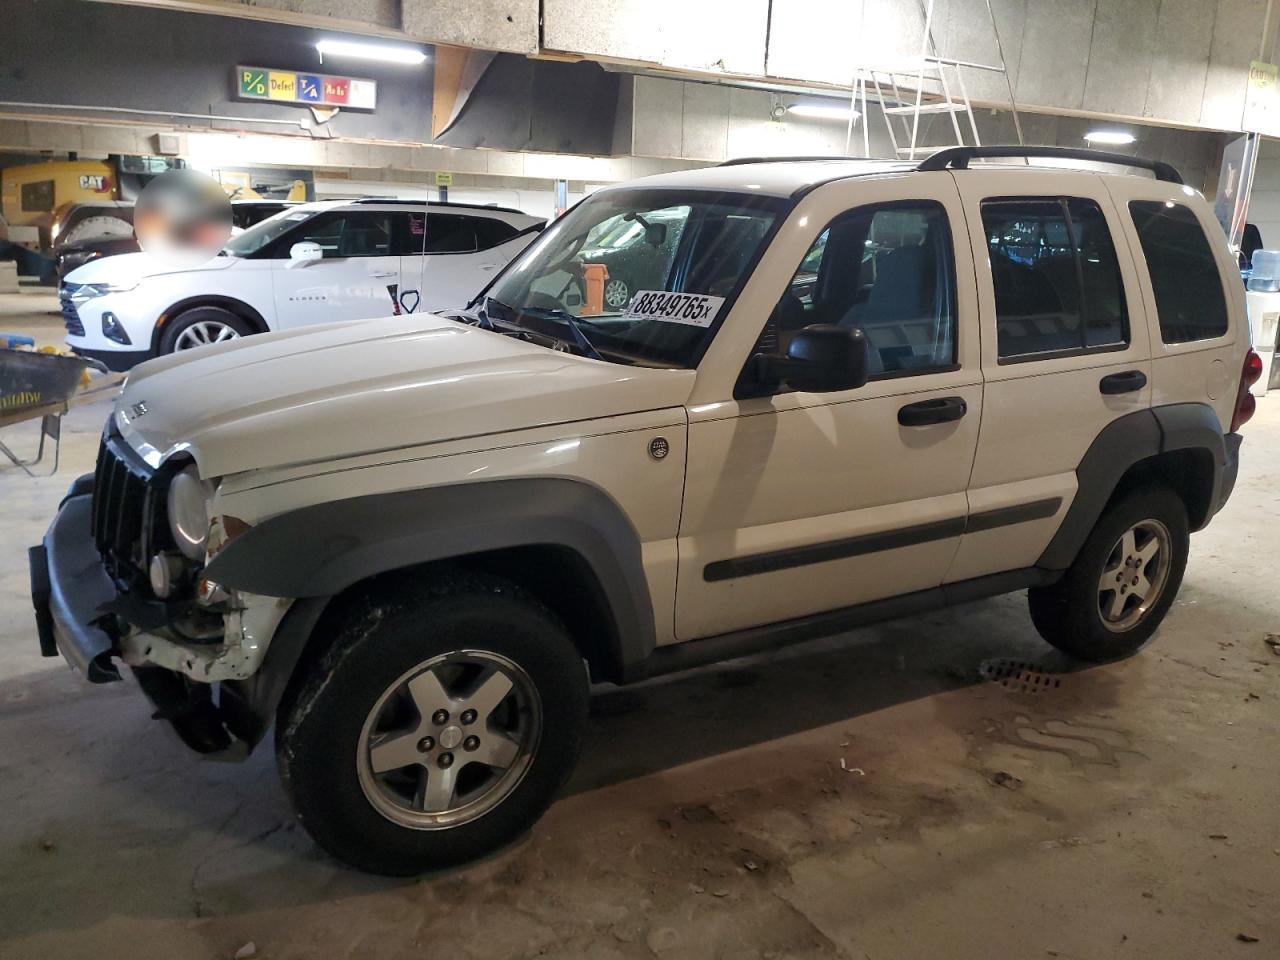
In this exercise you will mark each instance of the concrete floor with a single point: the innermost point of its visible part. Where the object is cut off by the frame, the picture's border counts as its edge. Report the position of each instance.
(849, 798)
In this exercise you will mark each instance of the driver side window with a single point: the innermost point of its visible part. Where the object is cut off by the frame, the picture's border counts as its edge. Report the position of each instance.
(888, 270)
(343, 234)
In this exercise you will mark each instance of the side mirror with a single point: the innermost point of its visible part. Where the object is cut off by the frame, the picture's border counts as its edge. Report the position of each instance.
(655, 234)
(301, 254)
(820, 359)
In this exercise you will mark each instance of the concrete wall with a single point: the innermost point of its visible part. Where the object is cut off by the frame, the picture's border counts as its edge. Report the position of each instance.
(1175, 61)
(501, 25)
(1180, 61)
(706, 121)
(712, 122)
(106, 55)
(214, 150)
(717, 36)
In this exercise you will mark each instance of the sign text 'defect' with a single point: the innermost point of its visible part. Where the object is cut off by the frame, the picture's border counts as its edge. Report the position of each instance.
(308, 89)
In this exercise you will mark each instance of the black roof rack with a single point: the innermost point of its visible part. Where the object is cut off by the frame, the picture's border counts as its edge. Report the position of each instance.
(437, 203)
(957, 158)
(742, 161)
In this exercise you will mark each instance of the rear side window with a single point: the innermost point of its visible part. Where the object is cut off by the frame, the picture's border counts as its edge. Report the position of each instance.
(1184, 273)
(444, 233)
(490, 232)
(1057, 282)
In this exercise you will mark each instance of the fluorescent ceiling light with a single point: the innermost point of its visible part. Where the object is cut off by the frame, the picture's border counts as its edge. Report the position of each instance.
(822, 111)
(381, 52)
(1117, 137)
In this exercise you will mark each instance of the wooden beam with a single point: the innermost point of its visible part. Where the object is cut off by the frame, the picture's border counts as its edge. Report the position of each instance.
(449, 65)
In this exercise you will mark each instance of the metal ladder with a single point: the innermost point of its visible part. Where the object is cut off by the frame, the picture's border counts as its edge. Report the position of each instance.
(887, 82)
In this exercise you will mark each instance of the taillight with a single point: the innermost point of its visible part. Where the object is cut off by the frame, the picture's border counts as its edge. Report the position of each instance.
(1246, 405)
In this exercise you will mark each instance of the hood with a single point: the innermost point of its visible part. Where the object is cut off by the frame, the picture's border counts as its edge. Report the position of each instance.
(342, 389)
(131, 267)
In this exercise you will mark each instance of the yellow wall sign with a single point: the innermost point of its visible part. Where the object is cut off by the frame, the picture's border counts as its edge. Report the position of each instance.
(313, 89)
(444, 179)
(282, 86)
(1262, 99)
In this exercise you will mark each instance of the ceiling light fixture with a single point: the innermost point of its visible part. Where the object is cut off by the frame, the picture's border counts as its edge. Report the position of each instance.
(1116, 137)
(383, 53)
(822, 111)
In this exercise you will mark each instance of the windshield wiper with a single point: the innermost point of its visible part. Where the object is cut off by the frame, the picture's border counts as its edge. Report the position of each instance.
(476, 317)
(579, 338)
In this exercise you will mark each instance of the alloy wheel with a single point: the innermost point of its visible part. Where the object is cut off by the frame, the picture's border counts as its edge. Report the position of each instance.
(1134, 575)
(616, 294)
(449, 740)
(204, 332)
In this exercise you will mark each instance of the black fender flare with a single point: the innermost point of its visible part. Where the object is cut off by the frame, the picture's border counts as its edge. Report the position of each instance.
(1185, 426)
(1123, 443)
(317, 551)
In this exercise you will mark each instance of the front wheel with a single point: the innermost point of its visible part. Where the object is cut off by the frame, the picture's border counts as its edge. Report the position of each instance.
(1114, 596)
(616, 294)
(201, 326)
(437, 726)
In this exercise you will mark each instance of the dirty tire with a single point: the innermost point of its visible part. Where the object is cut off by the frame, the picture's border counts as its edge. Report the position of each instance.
(1068, 615)
(379, 637)
(208, 322)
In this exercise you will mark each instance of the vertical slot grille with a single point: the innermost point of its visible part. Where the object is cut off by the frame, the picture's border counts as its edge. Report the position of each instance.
(70, 314)
(119, 503)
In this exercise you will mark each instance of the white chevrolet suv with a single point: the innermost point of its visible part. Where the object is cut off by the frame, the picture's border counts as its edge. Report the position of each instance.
(311, 263)
(846, 391)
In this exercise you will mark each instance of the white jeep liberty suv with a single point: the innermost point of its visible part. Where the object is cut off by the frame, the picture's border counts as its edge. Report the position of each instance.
(840, 392)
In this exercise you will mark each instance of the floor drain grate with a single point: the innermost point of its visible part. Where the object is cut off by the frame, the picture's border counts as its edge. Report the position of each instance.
(1018, 675)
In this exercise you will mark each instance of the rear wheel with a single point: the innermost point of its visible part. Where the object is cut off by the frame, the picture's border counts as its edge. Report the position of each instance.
(437, 726)
(201, 326)
(1114, 596)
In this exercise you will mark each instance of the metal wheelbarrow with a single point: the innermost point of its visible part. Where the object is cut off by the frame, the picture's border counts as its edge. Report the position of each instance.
(37, 385)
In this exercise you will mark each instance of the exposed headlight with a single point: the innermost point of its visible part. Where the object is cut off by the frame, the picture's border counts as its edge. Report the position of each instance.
(188, 502)
(91, 290)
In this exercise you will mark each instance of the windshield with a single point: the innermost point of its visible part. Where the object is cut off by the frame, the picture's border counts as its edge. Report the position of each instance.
(261, 234)
(635, 276)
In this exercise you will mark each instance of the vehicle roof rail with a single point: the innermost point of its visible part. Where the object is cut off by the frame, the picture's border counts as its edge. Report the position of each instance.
(957, 158)
(743, 161)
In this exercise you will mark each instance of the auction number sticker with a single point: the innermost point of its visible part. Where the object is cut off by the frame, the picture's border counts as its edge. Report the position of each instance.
(692, 309)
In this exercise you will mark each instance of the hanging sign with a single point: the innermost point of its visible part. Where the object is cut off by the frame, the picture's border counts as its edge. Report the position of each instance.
(307, 89)
(1262, 99)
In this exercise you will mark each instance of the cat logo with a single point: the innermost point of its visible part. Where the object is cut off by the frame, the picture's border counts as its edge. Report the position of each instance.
(139, 409)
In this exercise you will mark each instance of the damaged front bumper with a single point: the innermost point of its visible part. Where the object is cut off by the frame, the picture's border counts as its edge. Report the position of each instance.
(70, 589)
(81, 614)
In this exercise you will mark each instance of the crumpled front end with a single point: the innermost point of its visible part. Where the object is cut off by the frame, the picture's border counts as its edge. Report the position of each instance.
(112, 582)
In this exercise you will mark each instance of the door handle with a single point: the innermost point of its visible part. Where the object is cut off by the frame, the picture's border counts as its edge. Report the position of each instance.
(384, 273)
(928, 412)
(1126, 382)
